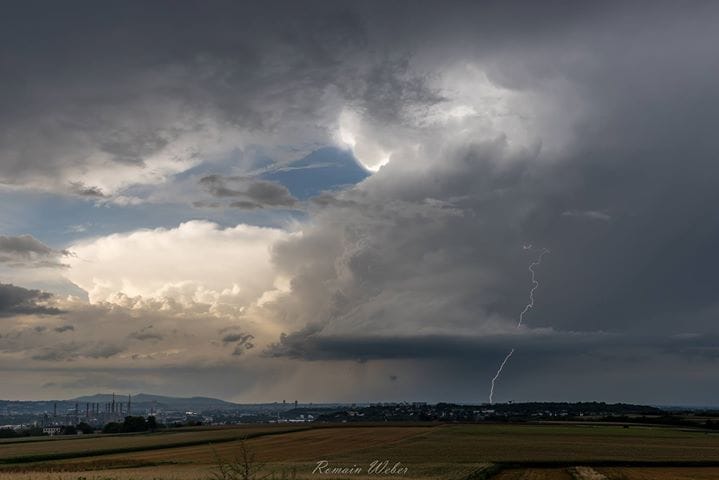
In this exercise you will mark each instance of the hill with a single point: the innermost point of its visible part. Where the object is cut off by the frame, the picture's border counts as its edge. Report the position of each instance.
(146, 401)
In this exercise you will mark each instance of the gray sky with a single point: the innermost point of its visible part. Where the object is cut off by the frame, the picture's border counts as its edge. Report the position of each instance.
(330, 201)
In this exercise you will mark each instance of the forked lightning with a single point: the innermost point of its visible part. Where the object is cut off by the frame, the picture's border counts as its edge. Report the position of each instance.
(529, 305)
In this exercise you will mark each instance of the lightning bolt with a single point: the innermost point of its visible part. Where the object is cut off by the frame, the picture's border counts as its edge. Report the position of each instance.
(524, 311)
(496, 375)
(535, 284)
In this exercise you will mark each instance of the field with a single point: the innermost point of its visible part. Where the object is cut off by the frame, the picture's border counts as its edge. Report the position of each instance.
(428, 452)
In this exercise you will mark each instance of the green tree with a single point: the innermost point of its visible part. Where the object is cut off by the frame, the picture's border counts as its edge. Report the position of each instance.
(85, 428)
(69, 430)
(151, 423)
(112, 427)
(134, 424)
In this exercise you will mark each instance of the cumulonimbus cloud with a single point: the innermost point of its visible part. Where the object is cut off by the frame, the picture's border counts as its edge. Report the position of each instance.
(485, 127)
(195, 263)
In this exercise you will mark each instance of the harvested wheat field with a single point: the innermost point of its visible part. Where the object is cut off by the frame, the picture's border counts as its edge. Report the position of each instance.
(534, 474)
(62, 447)
(664, 473)
(419, 452)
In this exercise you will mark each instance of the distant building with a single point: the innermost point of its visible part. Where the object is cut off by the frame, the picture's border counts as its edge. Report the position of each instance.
(52, 430)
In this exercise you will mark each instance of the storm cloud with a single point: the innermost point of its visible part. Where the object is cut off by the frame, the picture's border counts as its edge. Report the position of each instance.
(27, 251)
(144, 114)
(486, 131)
(16, 300)
(251, 192)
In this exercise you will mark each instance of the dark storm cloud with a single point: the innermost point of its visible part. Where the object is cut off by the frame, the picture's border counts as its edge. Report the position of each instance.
(542, 345)
(407, 264)
(627, 207)
(389, 90)
(241, 348)
(23, 246)
(424, 259)
(75, 108)
(361, 348)
(22, 301)
(84, 191)
(242, 342)
(269, 193)
(237, 337)
(64, 328)
(253, 193)
(27, 251)
(309, 344)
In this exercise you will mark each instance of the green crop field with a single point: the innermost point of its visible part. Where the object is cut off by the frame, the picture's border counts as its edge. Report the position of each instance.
(471, 452)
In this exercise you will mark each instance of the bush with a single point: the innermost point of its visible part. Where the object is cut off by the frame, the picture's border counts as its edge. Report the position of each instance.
(131, 424)
(8, 433)
(244, 466)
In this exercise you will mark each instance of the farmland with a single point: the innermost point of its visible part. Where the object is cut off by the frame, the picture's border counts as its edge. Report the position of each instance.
(428, 451)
